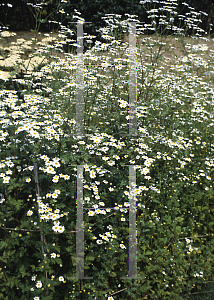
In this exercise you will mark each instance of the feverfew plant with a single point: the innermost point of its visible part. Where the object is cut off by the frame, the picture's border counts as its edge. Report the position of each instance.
(172, 153)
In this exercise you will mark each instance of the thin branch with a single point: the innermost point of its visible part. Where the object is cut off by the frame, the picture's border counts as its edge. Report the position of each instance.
(104, 218)
(34, 230)
(120, 291)
(193, 237)
(202, 292)
(17, 229)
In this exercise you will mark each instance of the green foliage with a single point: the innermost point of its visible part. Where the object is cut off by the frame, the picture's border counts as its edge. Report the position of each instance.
(174, 148)
(23, 16)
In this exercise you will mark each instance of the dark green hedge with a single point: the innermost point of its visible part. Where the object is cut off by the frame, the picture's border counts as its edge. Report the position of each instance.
(19, 18)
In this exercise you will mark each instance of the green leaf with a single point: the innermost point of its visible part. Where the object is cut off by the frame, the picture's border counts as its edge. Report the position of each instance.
(90, 258)
(22, 271)
(2, 244)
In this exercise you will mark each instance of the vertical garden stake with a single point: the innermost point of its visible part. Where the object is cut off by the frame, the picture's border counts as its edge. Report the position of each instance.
(37, 193)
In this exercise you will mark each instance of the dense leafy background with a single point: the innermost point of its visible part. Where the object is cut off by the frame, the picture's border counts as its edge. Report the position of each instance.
(159, 244)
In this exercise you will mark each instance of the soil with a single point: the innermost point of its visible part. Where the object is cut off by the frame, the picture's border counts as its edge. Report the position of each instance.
(171, 49)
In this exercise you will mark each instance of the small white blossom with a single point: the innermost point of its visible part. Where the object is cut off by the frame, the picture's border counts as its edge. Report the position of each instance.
(39, 284)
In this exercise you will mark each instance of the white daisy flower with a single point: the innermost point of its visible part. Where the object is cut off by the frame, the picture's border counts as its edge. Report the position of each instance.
(61, 278)
(53, 255)
(29, 213)
(61, 229)
(39, 284)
